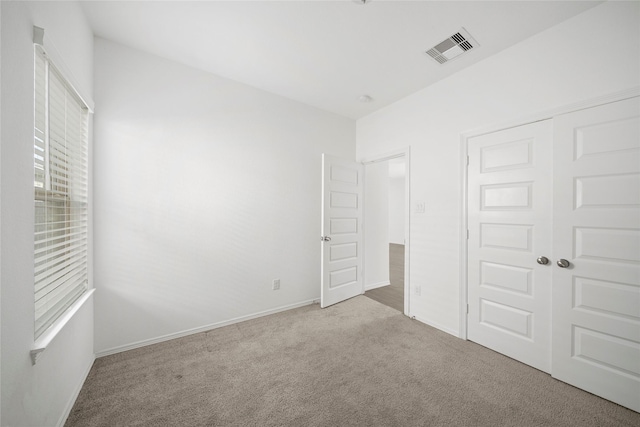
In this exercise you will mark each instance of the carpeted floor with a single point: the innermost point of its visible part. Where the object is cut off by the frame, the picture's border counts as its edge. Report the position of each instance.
(392, 295)
(358, 363)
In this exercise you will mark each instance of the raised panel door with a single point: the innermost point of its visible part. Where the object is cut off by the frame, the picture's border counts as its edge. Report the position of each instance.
(509, 211)
(342, 209)
(596, 300)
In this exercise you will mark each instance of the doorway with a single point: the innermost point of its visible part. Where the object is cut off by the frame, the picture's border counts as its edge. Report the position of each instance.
(386, 231)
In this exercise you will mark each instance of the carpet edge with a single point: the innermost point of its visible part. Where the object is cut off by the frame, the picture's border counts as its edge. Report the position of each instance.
(187, 332)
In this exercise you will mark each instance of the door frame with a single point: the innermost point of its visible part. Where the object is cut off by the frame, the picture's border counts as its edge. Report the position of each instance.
(464, 162)
(406, 154)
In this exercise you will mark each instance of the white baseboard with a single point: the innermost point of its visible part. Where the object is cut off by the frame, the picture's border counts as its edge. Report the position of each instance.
(204, 328)
(74, 395)
(376, 285)
(437, 326)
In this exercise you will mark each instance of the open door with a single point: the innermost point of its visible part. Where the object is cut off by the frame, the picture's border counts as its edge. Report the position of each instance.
(342, 248)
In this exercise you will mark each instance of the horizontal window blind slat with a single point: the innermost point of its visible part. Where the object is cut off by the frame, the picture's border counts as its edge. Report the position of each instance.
(54, 249)
(79, 273)
(61, 222)
(55, 295)
(71, 270)
(54, 244)
(78, 245)
(55, 265)
(54, 260)
(49, 242)
(52, 294)
(58, 218)
(64, 152)
(64, 175)
(47, 237)
(44, 235)
(60, 253)
(63, 162)
(51, 264)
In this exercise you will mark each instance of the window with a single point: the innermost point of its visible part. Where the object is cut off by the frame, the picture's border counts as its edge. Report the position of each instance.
(60, 194)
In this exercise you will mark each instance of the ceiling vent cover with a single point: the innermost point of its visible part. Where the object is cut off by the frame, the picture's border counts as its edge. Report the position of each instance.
(453, 47)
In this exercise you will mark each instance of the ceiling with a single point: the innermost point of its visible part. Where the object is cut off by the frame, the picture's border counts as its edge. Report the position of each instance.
(323, 53)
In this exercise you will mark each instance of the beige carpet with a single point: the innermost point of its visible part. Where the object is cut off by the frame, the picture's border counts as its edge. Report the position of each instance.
(358, 363)
(392, 295)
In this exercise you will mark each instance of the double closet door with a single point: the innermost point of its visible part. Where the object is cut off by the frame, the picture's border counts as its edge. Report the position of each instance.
(554, 247)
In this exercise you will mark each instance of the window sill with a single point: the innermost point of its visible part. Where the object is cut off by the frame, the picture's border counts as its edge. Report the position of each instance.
(45, 339)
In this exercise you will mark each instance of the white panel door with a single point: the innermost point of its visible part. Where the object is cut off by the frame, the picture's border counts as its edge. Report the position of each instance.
(509, 210)
(342, 209)
(596, 300)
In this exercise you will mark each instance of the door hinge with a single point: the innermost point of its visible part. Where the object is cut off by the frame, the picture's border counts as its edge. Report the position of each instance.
(467, 160)
(467, 308)
(467, 234)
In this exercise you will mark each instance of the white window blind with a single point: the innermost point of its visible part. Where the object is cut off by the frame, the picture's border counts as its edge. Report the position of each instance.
(60, 194)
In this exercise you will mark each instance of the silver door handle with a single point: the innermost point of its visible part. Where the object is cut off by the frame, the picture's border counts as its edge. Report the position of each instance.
(325, 238)
(543, 260)
(563, 263)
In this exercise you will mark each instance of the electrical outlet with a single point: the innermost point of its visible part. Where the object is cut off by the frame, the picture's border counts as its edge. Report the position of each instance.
(420, 207)
(276, 284)
(417, 290)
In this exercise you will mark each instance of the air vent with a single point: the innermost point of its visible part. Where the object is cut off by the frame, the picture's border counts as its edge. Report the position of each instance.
(452, 47)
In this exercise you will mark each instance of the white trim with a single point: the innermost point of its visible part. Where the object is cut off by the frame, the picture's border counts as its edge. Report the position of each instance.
(363, 228)
(464, 137)
(205, 328)
(396, 154)
(377, 285)
(464, 247)
(74, 396)
(407, 230)
(1, 214)
(436, 325)
(49, 335)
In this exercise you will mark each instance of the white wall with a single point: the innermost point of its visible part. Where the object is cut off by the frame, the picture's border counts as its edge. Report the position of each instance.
(593, 54)
(206, 190)
(396, 210)
(39, 395)
(376, 225)
(0, 215)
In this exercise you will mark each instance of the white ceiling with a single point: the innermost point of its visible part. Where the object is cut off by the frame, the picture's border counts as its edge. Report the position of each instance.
(324, 53)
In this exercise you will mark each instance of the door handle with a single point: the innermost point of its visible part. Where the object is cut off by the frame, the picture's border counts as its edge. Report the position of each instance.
(543, 260)
(563, 263)
(325, 238)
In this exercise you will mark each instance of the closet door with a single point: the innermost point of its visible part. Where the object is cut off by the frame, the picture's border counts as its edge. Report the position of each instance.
(509, 217)
(596, 297)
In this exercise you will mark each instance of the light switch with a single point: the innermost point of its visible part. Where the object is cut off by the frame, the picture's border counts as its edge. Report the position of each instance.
(420, 207)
